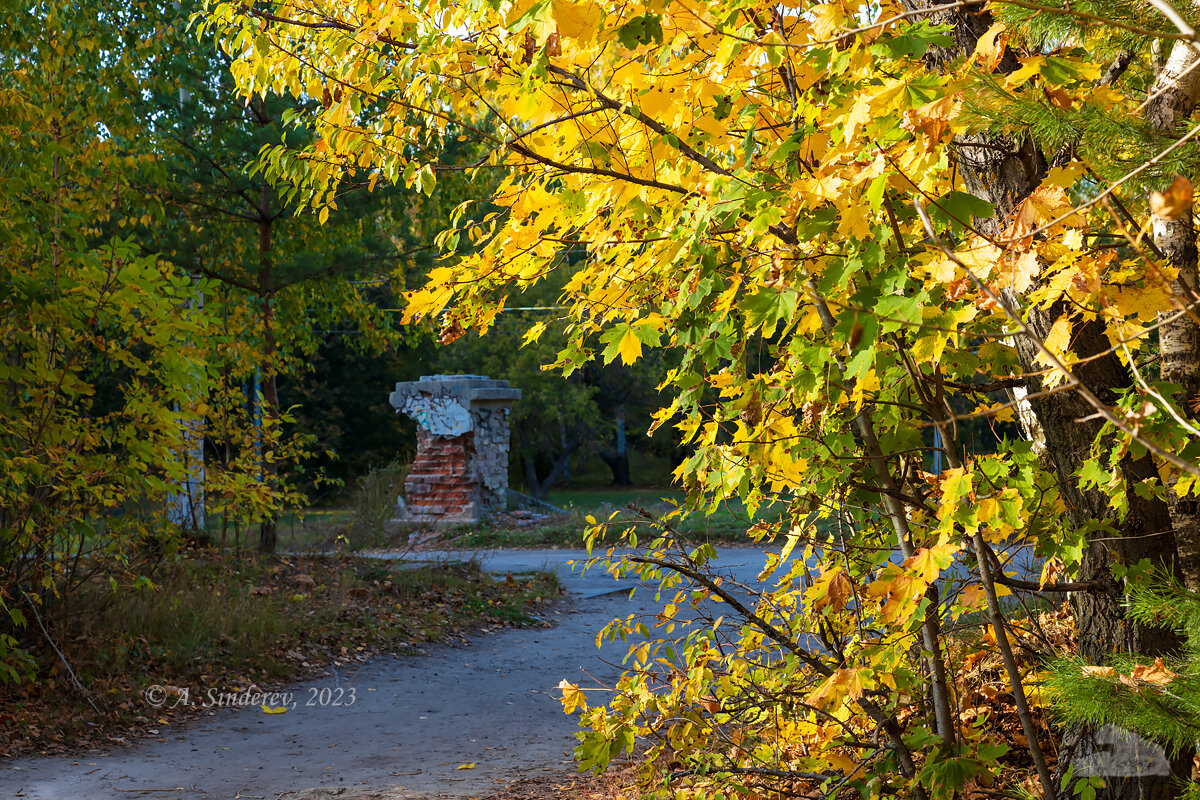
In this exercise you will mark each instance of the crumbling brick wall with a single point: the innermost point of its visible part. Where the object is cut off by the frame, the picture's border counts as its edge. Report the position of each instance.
(461, 468)
(440, 481)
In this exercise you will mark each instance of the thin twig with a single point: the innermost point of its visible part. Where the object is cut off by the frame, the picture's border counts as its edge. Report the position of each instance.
(50, 640)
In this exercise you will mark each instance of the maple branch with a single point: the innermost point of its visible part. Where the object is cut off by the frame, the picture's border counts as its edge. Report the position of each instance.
(652, 124)
(1034, 586)
(773, 633)
(784, 233)
(889, 724)
(329, 24)
(937, 407)
(769, 773)
(556, 121)
(569, 168)
(916, 502)
(1149, 241)
(891, 215)
(989, 386)
(218, 276)
(898, 516)
(50, 640)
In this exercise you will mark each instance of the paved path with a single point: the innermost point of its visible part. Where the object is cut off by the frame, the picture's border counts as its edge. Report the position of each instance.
(414, 719)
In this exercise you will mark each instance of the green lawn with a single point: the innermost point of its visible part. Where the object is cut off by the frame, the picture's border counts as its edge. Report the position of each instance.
(590, 499)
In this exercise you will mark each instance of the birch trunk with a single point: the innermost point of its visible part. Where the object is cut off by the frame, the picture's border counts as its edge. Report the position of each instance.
(1171, 101)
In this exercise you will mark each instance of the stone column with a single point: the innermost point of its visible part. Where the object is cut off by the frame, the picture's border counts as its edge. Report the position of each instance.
(461, 469)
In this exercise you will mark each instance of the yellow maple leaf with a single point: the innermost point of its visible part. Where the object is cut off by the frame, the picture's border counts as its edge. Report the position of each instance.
(1066, 175)
(902, 593)
(990, 47)
(630, 347)
(1032, 66)
(924, 562)
(843, 683)
(1058, 342)
(827, 20)
(576, 20)
(572, 696)
(972, 598)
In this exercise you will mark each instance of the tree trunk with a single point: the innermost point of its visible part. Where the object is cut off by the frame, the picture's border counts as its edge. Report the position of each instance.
(540, 487)
(270, 412)
(562, 438)
(531, 478)
(185, 505)
(1171, 101)
(1004, 173)
(618, 459)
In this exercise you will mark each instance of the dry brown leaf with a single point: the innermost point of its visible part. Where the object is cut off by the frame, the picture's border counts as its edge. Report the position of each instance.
(1045, 205)
(1156, 673)
(1099, 672)
(1058, 98)
(839, 592)
(958, 287)
(1051, 570)
(1172, 203)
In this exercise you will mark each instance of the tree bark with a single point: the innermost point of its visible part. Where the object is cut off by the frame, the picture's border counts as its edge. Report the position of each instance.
(1171, 101)
(267, 532)
(618, 459)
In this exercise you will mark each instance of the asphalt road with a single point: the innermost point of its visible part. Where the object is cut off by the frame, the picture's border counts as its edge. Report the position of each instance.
(404, 726)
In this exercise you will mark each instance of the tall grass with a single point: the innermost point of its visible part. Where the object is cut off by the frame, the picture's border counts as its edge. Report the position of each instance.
(374, 504)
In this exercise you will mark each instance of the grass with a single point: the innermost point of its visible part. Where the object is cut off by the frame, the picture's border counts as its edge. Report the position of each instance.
(559, 530)
(588, 499)
(726, 525)
(226, 622)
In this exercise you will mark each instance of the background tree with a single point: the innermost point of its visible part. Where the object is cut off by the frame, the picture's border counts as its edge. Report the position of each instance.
(908, 211)
(87, 467)
(282, 278)
(627, 397)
